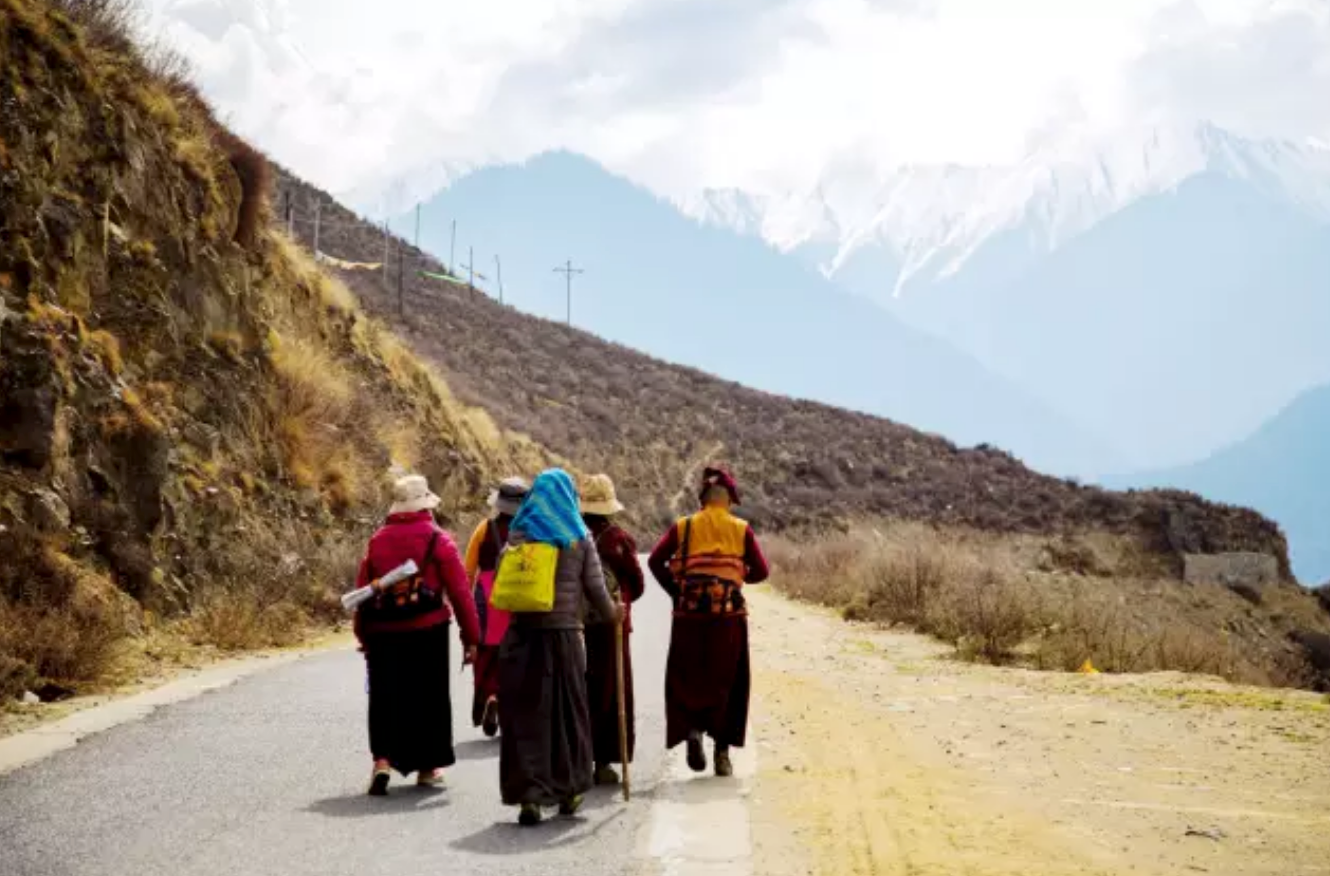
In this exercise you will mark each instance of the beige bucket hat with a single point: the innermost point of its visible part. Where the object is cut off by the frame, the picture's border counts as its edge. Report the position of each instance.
(412, 493)
(598, 496)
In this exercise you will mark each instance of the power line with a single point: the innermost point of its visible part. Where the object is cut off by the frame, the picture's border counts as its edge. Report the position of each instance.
(568, 270)
(498, 273)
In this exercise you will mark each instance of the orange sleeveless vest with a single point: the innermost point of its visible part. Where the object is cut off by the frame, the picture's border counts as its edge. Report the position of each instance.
(711, 544)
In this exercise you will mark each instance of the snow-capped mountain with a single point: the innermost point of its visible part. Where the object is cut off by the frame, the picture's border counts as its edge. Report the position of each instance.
(933, 220)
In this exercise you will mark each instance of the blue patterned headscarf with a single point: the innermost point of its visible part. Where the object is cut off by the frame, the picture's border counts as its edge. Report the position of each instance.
(550, 513)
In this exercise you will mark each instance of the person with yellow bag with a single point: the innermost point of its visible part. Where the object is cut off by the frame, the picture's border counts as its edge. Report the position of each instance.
(548, 572)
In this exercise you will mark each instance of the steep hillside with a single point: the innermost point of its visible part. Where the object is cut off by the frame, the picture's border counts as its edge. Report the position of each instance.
(195, 423)
(804, 464)
(801, 334)
(1283, 470)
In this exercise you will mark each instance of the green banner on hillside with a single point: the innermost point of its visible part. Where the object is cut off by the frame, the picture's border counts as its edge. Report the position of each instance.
(444, 277)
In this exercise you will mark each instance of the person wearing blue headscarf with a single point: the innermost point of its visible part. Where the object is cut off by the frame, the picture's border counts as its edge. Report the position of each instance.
(545, 753)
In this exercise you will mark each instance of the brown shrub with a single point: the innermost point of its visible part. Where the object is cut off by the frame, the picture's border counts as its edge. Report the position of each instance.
(72, 645)
(240, 619)
(974, 591)
(1113, 641)
(986, 615)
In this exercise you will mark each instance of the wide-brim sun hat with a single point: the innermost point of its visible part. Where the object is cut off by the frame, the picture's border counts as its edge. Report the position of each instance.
(507, 498)
(598, 496)
(412, 493)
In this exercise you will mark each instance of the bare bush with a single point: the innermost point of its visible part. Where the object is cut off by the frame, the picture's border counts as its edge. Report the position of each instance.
(973, 592)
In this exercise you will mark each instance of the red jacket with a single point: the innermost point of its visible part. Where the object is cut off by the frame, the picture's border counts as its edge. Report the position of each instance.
(405, 537)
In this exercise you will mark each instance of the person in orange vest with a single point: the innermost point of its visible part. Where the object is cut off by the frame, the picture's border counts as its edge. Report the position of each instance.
(703, 562)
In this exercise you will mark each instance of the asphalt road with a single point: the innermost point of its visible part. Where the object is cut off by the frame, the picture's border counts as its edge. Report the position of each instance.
(268, 777)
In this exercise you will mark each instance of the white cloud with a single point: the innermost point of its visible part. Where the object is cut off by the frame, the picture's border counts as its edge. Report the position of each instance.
(759, 93)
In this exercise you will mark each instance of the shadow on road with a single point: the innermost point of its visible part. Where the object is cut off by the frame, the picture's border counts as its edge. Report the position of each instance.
(477, 749)
(405, 799)
(510, 838)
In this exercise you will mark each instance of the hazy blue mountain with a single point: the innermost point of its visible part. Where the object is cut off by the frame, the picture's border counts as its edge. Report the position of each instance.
(1173, 326)
(728, 303)
(1282, 470)
(1166, 285)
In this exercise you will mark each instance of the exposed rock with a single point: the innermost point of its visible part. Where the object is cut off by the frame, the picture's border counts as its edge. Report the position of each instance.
(47, 511)
(28, 399)
(1247, 572)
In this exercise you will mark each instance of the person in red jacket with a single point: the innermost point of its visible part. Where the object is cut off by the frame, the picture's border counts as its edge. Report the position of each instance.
(403, 632)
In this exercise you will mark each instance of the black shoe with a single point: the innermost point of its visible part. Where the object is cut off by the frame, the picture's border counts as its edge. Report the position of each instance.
(490, 723)
(529, 816)
(605, 775)
(697, 756)
(378, 783)
(724, 768)
(570, 806)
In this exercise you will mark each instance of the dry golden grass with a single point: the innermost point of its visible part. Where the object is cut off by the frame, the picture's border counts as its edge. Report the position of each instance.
(238, 620)
(211, 407)
(996, 600)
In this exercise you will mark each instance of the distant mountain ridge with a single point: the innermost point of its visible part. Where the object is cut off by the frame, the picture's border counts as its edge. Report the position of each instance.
(934, 219)
(1164, 286)
(711, 298)
(1282, 470)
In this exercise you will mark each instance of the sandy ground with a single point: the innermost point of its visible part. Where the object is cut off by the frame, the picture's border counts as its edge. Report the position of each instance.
(879, 754)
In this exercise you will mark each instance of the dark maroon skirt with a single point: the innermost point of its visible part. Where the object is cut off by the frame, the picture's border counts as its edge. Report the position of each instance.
(602, 693)
(545, 727)
(707, 679)
(485, 673)
(410, 712)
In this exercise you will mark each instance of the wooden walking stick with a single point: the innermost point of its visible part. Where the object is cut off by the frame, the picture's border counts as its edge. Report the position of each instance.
(623, 708)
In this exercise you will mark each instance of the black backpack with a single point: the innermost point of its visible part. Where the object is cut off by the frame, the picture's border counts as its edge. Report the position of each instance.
(407, 599)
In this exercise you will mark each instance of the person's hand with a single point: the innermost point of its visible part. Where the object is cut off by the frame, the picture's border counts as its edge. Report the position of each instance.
(468, 655)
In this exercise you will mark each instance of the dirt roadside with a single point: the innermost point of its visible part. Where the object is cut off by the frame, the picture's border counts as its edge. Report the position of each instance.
(142, 674)
(878, 754)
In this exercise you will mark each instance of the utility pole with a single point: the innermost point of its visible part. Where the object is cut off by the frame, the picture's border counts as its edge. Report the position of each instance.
(290, 214)
(386, 240)
(498, 273)
(568, 270)
(470, 268)
(401, 259)
(317, 204)
(452, 251)
(417, 226)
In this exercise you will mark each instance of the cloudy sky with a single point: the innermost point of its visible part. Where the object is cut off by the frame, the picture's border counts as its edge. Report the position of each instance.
(759, 94)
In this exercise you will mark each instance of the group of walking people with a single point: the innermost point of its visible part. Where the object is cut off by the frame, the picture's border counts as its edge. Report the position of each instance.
(547, 682)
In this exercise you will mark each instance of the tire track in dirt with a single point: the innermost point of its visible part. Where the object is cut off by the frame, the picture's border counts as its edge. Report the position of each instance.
(880, 756)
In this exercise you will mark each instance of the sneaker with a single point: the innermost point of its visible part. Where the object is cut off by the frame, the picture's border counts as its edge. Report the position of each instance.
(378, 782)
(571, 805)
(490, 723)
(697, 757)
(431, 779)
(529, 816)
(605, 775)
(724, 768)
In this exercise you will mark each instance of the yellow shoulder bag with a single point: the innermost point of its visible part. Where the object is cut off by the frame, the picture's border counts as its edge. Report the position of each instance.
(525, 578)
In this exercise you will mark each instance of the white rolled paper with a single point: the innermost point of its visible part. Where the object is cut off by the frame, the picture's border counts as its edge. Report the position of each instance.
(353, 600)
